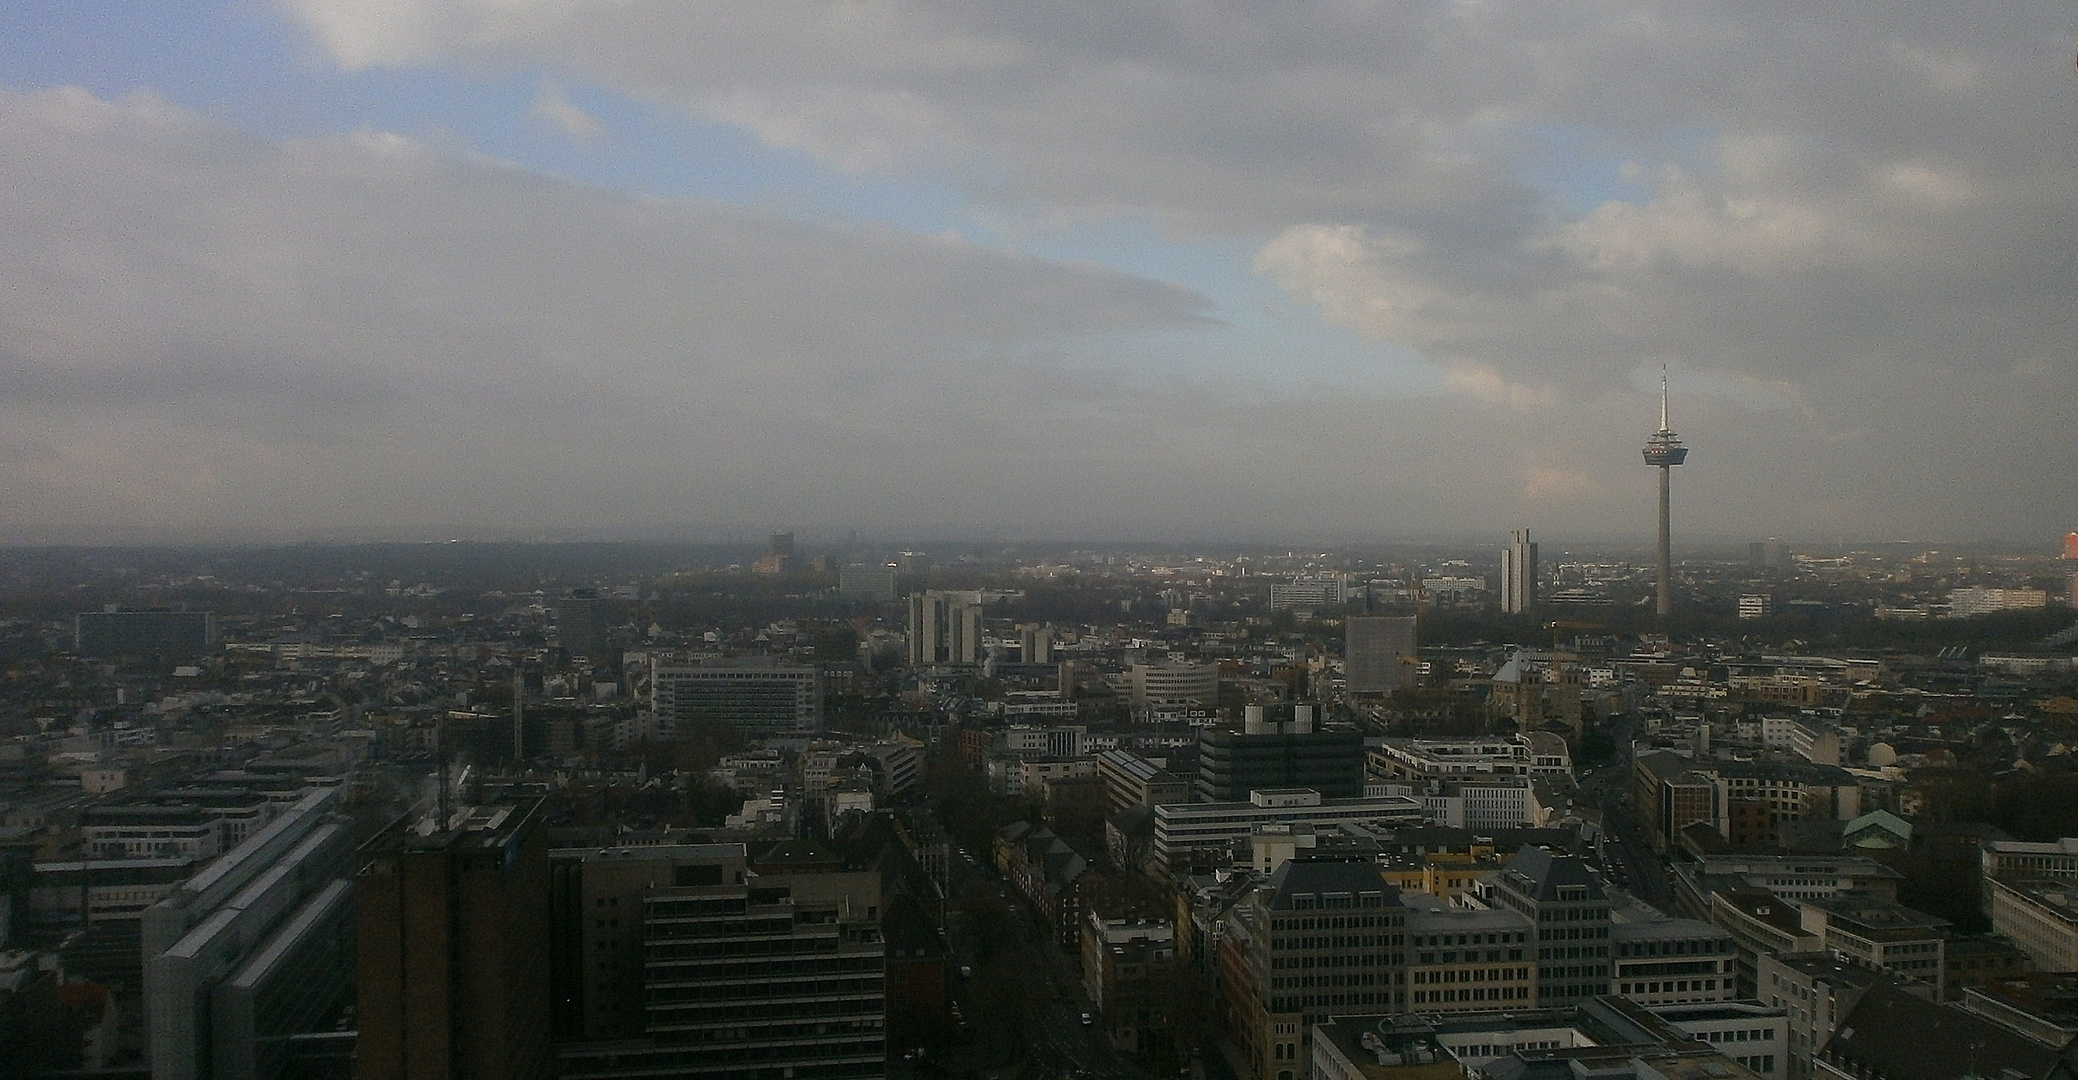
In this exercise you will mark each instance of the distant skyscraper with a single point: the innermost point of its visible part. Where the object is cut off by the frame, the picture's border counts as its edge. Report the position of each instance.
(778, 557)
(1663, 451)
(1380, 653)
(2071, 559)
(581, 623)
(1519, 573)
(944, 628)
(1036, 643)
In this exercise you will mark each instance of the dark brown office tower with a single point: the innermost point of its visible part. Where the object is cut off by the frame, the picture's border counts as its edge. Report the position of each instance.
(693, 960)
(453, 957)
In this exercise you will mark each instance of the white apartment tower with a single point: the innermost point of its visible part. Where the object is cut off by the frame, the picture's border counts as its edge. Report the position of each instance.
(1519, 573)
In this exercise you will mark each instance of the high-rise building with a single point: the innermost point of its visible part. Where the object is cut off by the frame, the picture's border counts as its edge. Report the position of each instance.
(165, 634)
(1519, 573)
(1663, 451)
(1276, 754)
(1035, 642)
(452, 957)
(218, 950)
(755, 695)
(581, 623)
(944, 628)
(779, 555)
(1380, 654)
(692, 960)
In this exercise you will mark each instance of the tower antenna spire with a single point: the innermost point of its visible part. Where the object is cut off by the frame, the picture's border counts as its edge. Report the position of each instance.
(1663, 395)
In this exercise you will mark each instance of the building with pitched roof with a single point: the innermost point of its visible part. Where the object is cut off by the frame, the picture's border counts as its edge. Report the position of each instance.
(1569, 912)
(1316, 939)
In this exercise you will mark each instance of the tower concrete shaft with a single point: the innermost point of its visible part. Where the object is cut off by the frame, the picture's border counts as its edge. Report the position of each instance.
(1666, 568)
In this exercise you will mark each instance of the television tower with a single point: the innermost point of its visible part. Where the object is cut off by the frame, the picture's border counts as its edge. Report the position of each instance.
(1663, 451)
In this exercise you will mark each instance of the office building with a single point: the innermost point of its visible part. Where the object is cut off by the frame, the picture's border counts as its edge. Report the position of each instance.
(1186, 830)
(1320, 938)
(1467, 959)
(1963, 603)
(451, 948)
(197, 824)
(1307, 593)
(1754, 1035)
(296, 983)
(874, 583)
(259, 909)
(757, 696)
(1131, 780)
(1415, 760)
(1278, 754)
(581, 621)
(2040, 916)
(163, 634)
(1173, 683)
(1819, 991)
(1500, 803)
(1656, 959)
(1380, 654)
(1881, 934)
(1606, 1038)
(1519, 574)
(1569, 913)
(656, 973)
(2054, 860)
(944, 628)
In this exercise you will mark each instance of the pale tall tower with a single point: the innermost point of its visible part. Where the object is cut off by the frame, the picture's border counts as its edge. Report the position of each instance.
(1519, 573)
(1663, 451)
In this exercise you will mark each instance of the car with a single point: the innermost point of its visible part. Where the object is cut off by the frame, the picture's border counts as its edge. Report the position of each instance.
(1087, 1019)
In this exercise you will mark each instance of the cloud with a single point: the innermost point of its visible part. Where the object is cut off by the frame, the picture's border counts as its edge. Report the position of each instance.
(202, 330)
(555, 109)
(1852, 228)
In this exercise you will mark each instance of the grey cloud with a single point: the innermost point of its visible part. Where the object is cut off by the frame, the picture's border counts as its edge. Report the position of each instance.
(207, 332)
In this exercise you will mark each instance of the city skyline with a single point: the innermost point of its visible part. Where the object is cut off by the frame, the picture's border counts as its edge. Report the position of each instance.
(431, 269)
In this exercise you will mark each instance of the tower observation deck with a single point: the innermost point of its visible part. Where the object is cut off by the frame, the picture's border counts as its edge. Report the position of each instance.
(1663, 451)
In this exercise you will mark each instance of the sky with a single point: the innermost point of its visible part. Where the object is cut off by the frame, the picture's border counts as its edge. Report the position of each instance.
(1324, 271)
